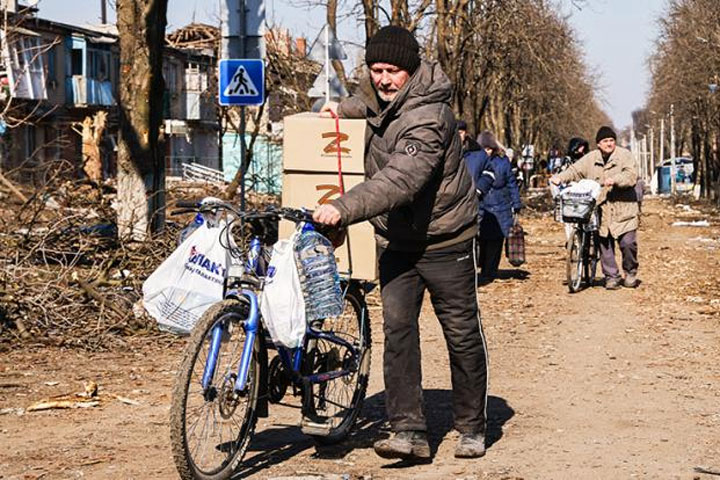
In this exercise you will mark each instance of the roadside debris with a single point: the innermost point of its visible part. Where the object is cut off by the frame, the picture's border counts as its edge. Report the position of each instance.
(696, 223)
(66, 279)
(88, 398)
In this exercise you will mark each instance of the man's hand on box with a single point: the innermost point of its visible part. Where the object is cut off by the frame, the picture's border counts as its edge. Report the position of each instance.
(327, 215)
(329, 109)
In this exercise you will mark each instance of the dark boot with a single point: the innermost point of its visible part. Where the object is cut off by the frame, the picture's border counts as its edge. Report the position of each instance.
(405, 445)
(470, 445)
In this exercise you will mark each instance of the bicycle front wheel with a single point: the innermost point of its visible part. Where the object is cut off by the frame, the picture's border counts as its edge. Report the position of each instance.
(210, 428)
(574, 262)
(336, 403)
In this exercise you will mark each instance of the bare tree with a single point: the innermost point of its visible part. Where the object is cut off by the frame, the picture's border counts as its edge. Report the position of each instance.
(685, 64)
(141, 170)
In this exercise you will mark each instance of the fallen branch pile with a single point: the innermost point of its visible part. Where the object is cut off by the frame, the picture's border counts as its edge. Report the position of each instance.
(66, 279)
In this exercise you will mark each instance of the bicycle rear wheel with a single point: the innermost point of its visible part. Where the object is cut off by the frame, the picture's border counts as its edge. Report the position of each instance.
(593, 257)
(210, 428)
(336, 403)
(574, 261)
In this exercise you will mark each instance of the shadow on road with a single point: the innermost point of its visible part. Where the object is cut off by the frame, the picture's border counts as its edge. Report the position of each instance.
(513, 274)
(276, 445)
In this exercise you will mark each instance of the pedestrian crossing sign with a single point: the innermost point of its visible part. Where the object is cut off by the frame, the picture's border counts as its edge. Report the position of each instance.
(242, 82)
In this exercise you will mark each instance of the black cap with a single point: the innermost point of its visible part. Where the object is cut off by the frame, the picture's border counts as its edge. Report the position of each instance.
(461, 125)
(394, 45)
(605, 132)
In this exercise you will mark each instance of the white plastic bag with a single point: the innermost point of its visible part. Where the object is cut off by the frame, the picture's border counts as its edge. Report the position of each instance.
(282, 303)
(585, 187)
(189, 281)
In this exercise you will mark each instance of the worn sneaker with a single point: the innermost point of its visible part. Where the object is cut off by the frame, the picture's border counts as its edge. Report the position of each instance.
(470, 445)
(630, 281)
(612, 283)
(407, 445)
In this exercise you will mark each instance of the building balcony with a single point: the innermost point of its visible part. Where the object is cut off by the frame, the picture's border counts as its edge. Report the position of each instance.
(84, 91)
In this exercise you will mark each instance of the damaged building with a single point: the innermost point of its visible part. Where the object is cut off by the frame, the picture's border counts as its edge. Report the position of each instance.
(59, 91)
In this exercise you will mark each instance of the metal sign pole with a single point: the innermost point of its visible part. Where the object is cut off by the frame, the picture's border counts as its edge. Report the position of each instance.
(327, 64)
(243, 147)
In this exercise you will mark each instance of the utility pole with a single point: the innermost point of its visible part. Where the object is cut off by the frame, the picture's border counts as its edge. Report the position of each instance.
(242, 32)
(652, 152)
(673, 186)
(103, 11)
(662, 144)
(633, 145)
(645, 156)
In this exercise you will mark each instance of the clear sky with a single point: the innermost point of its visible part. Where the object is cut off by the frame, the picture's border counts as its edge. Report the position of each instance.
(617, 36)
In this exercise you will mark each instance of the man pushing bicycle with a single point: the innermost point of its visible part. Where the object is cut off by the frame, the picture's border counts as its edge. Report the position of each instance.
(614, 168)
(419, 197)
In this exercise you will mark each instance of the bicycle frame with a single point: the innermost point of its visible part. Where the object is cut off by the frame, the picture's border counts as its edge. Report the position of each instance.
(291, 358)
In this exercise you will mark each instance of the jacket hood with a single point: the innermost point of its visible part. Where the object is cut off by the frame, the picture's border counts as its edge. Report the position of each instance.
(427, 85)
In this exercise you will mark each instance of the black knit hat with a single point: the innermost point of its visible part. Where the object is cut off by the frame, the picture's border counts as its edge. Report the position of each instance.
(394, 45)
(461, 125)
(605, 132)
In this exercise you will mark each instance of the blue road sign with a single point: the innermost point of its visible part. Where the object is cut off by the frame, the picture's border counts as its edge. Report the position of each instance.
(242, 82)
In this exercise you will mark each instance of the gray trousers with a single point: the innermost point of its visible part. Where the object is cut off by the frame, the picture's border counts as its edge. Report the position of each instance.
(449, 275)
(628, 248)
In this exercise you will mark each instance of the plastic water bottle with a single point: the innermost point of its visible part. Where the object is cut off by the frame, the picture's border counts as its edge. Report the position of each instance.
(185, 232)
(319, 277)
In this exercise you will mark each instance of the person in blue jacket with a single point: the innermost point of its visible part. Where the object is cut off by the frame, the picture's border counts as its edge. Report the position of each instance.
(496, 208)
(479, 165)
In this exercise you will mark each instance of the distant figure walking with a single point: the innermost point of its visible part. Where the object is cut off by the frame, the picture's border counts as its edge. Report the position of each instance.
(614, 168)
(497, 209)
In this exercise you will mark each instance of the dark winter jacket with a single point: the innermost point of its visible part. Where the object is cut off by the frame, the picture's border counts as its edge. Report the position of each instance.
(417, 194)
(503, 197)
(481, 170)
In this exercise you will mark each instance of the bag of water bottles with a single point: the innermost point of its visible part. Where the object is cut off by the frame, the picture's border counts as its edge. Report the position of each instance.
(302, 285)
(319, 278)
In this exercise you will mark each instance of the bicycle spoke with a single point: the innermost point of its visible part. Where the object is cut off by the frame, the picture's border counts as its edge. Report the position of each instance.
(191, 429)
(202, 435)
(197, 374)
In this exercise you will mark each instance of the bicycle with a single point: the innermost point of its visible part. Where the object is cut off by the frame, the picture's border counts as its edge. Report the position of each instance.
(225, 381)
(583, 243)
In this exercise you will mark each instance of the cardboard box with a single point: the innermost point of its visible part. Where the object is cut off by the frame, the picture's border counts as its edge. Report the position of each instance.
(310, 144)
(311, 189)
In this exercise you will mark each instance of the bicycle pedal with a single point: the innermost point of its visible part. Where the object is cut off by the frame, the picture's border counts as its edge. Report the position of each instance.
(309, 427)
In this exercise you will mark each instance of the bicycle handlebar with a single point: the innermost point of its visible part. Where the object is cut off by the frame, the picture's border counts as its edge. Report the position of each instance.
(295, 215)
(187, 204)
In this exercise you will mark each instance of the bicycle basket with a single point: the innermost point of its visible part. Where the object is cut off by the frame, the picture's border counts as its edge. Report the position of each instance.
(576, 208)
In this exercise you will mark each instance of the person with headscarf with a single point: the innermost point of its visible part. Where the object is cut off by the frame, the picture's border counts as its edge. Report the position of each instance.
(497, 208)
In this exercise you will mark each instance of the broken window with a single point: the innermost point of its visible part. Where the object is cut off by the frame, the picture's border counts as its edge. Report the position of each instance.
(99, 65)
(24, 52)
(76, 61)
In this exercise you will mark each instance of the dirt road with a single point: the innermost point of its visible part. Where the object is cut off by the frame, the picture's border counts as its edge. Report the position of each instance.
(599, 384)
